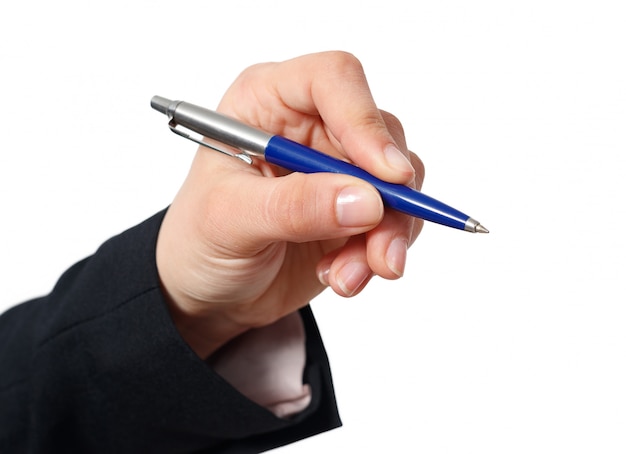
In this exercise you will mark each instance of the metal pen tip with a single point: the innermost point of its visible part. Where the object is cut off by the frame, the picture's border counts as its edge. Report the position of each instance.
(473, 226)
(480, 229)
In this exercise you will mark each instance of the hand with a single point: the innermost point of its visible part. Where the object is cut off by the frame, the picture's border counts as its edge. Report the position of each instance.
(242, 246)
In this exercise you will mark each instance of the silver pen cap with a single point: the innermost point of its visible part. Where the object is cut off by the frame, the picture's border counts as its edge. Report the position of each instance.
(213, 125)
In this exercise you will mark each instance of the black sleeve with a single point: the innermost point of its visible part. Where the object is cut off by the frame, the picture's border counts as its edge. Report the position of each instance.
(98, 366)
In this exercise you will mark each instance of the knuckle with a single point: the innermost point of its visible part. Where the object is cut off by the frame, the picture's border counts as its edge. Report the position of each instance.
(395, 128)
(344, 61)
(393, 123)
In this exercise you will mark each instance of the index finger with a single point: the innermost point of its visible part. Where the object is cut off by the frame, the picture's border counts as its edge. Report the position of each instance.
(333, 86)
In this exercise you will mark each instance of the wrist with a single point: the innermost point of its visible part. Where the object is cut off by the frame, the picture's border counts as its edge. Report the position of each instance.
(204, 332)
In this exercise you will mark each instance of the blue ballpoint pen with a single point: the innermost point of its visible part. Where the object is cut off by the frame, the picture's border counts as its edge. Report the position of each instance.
(291, 155)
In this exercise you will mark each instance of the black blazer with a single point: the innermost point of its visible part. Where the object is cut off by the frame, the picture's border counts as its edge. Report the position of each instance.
(98, 366)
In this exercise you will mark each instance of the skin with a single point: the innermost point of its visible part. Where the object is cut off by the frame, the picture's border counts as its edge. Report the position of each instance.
(242, 246)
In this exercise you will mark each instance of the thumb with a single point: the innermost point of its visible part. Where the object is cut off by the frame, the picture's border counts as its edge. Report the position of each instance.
(306, 207)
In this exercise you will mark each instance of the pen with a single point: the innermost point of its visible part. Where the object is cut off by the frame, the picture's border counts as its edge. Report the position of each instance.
(299, 158)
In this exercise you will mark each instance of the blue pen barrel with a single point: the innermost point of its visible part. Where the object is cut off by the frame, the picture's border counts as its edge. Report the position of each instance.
(299, 158)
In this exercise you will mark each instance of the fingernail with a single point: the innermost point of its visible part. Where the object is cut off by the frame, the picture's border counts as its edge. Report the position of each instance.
(396, 256)
(396, 159)
(322, 275)
(351, 276)
(358, 206)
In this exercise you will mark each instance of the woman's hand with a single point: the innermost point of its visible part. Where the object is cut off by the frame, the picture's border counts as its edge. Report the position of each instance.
(242, 246)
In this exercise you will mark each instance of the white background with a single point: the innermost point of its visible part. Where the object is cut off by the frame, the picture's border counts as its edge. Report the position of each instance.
(513, 342)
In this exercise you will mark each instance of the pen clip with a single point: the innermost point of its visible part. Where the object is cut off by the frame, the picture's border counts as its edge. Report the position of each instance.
(197, 138)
